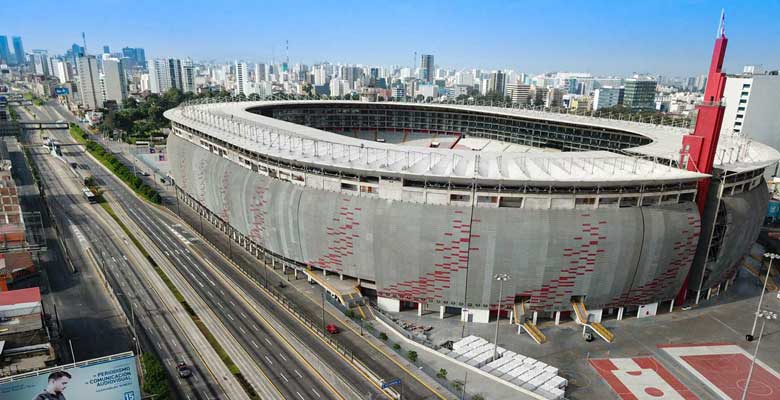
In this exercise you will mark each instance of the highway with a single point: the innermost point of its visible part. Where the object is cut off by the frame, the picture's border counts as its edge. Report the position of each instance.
(289, 372)
(160, 328)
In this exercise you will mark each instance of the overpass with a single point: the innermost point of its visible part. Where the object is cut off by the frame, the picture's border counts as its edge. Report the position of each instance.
(43, 125)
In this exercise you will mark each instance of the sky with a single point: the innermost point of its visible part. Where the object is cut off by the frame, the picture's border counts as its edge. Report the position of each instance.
(671, 38)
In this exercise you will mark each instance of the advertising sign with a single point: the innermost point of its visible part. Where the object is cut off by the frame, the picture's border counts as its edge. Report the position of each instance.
(108, 378)
(61, 91)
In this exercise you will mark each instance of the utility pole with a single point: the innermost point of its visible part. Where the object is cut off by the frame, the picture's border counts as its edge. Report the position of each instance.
(500, 278)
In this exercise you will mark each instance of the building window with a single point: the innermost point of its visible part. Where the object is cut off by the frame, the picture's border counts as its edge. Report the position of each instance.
(460, 197)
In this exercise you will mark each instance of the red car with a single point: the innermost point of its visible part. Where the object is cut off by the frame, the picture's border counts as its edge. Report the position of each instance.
(332, 329)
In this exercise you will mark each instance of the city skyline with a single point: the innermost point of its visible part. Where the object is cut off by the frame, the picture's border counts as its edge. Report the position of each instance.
(661, 42)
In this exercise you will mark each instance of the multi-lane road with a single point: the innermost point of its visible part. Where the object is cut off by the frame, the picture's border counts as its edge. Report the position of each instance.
(290, 373)
(106, 247)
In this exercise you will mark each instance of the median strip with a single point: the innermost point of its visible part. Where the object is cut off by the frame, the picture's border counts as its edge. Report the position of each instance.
(250, 391)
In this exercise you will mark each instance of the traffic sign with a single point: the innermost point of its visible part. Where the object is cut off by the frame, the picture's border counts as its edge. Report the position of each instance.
(396, 381)
(61, 91)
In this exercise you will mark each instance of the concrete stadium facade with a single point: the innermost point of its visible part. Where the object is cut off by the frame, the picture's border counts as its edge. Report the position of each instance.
(571, 207)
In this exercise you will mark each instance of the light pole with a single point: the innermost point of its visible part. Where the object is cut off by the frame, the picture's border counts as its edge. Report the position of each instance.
(771, 257)
(500, 278)
(765, 315)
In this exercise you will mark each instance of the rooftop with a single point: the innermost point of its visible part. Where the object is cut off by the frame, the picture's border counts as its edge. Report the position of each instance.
(232, 123)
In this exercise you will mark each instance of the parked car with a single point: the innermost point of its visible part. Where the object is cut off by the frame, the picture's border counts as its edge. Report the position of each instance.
(332, 329)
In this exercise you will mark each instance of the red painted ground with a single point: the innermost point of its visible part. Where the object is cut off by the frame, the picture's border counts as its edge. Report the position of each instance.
(729, 372)
(607, 370)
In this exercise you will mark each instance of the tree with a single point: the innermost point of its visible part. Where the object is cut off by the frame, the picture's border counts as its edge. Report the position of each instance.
(442, 374)
(419, 98)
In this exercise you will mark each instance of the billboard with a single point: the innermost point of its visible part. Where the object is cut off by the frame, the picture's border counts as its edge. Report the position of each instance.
(107, 378)
(61, 91)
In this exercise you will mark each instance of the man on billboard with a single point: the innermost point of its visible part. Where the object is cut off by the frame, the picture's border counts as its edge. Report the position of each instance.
(57, 384)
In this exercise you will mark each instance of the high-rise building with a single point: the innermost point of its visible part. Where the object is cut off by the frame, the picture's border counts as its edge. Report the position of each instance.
(751, 101)
(19, 50)
(187, 76)
(242, 79)
(606, 97)
(114, 81)
(5, 52)
(159, 76)
(426, 68)
(554, 97)
(639, 94)
(106, 49)
(518, 92)
(40, 62)
(89, 82)
(260, 72)
(174, 72)
(61, 70)
(497, 82)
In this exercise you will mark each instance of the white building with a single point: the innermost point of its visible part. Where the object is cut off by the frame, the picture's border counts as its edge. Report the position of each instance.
(261, 72)
(89, 82)
(187, 76)
(518, 92)
(752, 109)
(606, 97)
(114, 81)
(242, 80)
(159, 76)
(61, 70)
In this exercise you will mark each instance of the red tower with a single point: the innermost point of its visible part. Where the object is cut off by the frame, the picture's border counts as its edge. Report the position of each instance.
(699, 147)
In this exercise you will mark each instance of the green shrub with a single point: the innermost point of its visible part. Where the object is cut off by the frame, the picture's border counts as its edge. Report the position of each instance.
(442, 374)
(382, 335)
(396, 346)
(411, 355)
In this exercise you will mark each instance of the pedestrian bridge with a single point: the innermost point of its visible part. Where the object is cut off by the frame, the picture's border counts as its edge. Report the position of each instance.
(43, 125)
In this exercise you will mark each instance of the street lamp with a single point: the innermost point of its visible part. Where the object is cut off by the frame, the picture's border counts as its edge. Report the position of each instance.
(764, 315)
(771, 257)
(500, 278)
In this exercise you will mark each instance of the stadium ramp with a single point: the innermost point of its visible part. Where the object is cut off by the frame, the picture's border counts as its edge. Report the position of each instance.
(581, 314)
(529, 327)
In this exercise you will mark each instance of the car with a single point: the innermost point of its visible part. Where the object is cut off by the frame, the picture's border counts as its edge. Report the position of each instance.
(59, 121)
(332, 329)
(184, 370)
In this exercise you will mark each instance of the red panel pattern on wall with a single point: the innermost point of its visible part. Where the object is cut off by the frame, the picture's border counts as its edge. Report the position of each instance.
(452, 256)
(224, 191)
(201, 174)
(685, 250)
(341, 236)
(578, 261)
(257, 207)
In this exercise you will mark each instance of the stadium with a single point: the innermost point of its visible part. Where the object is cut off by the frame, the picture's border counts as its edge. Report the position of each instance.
(422, 205)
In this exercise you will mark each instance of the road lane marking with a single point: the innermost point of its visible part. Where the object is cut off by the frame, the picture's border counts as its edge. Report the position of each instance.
(284, 377)
(255, 344)
(283, 358)
(315, 392)
(269, 342)
(268, 360)
(299, 374)
(299, 395)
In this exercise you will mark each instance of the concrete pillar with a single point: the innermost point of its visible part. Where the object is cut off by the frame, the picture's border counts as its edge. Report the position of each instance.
(341, 277)
(557, 318)
(324, 273)
(419, 309)
(709, 293)
(671, 306)
(296, 273)
(620, 314)
(536, 314)
(511, 317)
(727, 285)
(441, 312)
(284, 268)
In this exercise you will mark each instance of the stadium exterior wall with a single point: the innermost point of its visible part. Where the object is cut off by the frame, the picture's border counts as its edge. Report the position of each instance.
(447, 255)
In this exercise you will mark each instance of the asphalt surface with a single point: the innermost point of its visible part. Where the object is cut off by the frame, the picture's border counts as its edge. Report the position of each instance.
(160, 330)
(285, 370)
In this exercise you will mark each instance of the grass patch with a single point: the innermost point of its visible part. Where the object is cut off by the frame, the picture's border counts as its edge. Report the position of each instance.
(156, 383)
(114, 165)
(33, 167)
(232, 367)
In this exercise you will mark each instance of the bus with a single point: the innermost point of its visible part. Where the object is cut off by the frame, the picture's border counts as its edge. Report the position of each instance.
(88, 195)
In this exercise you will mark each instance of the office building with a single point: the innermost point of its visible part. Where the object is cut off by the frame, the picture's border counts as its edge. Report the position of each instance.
(261, 72)
(19, 50)
(497, 82)
(106, 49)
(554, 97)
(5, 52)
(518, 92)
(40, 62)
(174, 72)
(426, 68)
(61, 70)
(639, 94)
(751, 107)
(89, 82)
(606, 97)
(114, 81)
